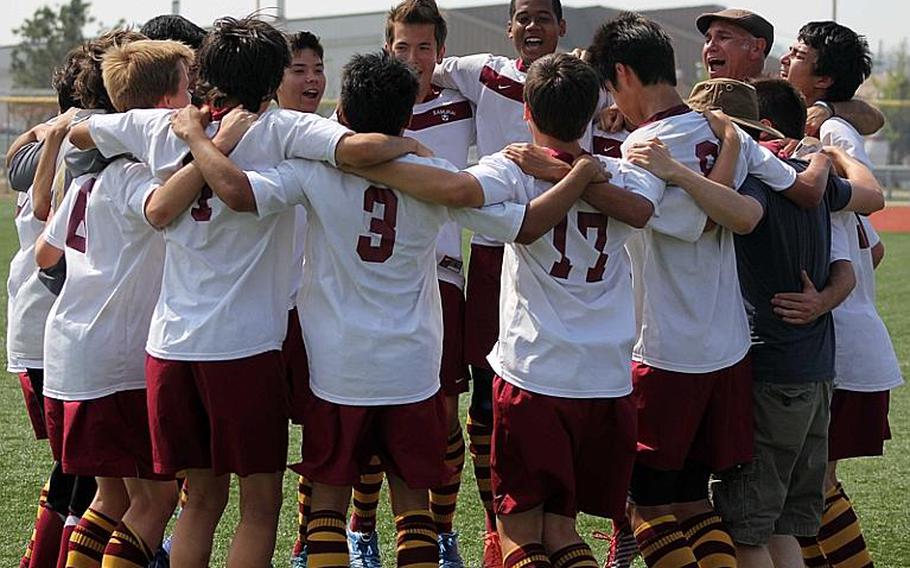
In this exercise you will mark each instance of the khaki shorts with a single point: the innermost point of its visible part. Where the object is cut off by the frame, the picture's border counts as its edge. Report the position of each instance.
(782, 491)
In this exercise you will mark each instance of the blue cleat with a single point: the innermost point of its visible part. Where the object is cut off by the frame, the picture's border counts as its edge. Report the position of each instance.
(449, 557)
(364, 549)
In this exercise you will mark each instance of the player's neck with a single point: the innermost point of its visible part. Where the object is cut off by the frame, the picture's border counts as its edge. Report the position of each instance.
(656, 99)
(573, 148)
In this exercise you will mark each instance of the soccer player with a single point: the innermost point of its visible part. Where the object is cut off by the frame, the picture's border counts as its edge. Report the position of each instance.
(98, 325)
(737, 42)
(243, 263)
(689, 371)
(301, 89)
(494, 85)
(376, 294)
(442, 120)
(828, 63)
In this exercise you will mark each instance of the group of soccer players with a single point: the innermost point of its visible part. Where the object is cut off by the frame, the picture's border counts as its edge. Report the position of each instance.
(203, 258)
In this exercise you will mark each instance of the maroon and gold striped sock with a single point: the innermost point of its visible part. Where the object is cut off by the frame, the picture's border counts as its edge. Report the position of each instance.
(417, 540)
(46, 545)
(86, 546)
(327, 545)
(709, 540)
(663, 545)
(531, 555)
(366, 498)
(444, 499)
(126, 549)
(576, 555)
(69, 525)
(42, 499)
(813, 557)
(480, 436)
(304, 494)
(840, 537)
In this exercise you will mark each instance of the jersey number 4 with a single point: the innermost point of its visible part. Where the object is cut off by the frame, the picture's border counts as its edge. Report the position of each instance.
(75, 228)
(586, 222)
(381, 226)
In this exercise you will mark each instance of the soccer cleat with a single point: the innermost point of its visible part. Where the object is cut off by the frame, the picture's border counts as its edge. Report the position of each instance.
(449, 556)
(299, 560)
(364, 549)
(492, 550)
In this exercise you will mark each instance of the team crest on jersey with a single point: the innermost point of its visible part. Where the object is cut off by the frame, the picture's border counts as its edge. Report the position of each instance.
(444, 114)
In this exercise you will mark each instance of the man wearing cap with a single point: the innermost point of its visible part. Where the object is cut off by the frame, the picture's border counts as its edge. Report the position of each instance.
(780, 247)
(737, 42)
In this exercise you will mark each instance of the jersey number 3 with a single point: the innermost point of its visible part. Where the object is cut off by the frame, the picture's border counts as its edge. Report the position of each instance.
(382, 226)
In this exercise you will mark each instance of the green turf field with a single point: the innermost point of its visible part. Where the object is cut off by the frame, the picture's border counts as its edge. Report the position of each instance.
(879, 487)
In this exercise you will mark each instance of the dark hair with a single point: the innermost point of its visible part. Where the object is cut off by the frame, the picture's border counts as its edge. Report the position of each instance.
(88, 85)
(64, 79)
(843, 55)
(242, 60)
(557, 9)
(175, 27)
(562, 92)
(378, 93)
(299, 41)
(638, 43)
(417, 12)
(783, 105)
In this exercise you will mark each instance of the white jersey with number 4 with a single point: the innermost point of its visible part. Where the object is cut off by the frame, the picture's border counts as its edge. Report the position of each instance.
(444, 123)
(226, 274)
(690, 305)
(865, 360)
(369, 305)
(566, 319)
(97, 328)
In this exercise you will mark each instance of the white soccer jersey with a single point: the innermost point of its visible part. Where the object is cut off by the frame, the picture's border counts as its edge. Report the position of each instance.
(444, 123)
(97, 329)
(690, 305)
(566, 319)
(227, 275)
(607, 144)
(29, 300)
(865, 359)
(369, 304)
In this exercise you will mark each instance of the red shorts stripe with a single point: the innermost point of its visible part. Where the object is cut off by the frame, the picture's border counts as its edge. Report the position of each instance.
(297, 369)
(482, 304)
(410, 439)
(705, 417)
(453, 373)
(569, 455)
(107, 436)
(228, 416)
(34, 404)
(859, 424)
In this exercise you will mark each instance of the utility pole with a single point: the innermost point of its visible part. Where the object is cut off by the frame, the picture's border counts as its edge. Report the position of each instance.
(175, 7)
(834, 10)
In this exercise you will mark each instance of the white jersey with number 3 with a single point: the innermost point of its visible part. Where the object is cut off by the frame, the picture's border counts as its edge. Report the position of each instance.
(369, 304)
(226, 274)
(690, 305)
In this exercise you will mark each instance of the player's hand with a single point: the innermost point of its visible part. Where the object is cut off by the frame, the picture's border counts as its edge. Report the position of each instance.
(537, 162)
(721, 125)
(421, 150)
(190, 121)
(581, 54)
(611, 120)
(799, 308)
(61, 125)
(655, 157)
(815, 116)
(838, 158)
(592, 167)
(232, 128)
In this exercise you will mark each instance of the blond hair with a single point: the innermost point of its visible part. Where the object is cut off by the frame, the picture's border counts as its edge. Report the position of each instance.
(140, 73)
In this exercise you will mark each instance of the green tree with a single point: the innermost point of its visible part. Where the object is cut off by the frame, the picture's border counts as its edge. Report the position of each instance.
(46, 38)
(894, 87)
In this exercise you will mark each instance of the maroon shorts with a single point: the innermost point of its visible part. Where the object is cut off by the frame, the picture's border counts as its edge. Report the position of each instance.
(703, 417)
(34, 404)
(53, 420)
(410, 439)
(228, 416)
(296, 367)
(569, 455)
(859, 424)
(105, 437)
(453, 374)
(481, 313)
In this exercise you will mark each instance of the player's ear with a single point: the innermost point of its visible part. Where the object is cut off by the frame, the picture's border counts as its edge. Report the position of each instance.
(440, 54)
(526, 116)
(509, 29)
(824, 82)
(562, 28)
